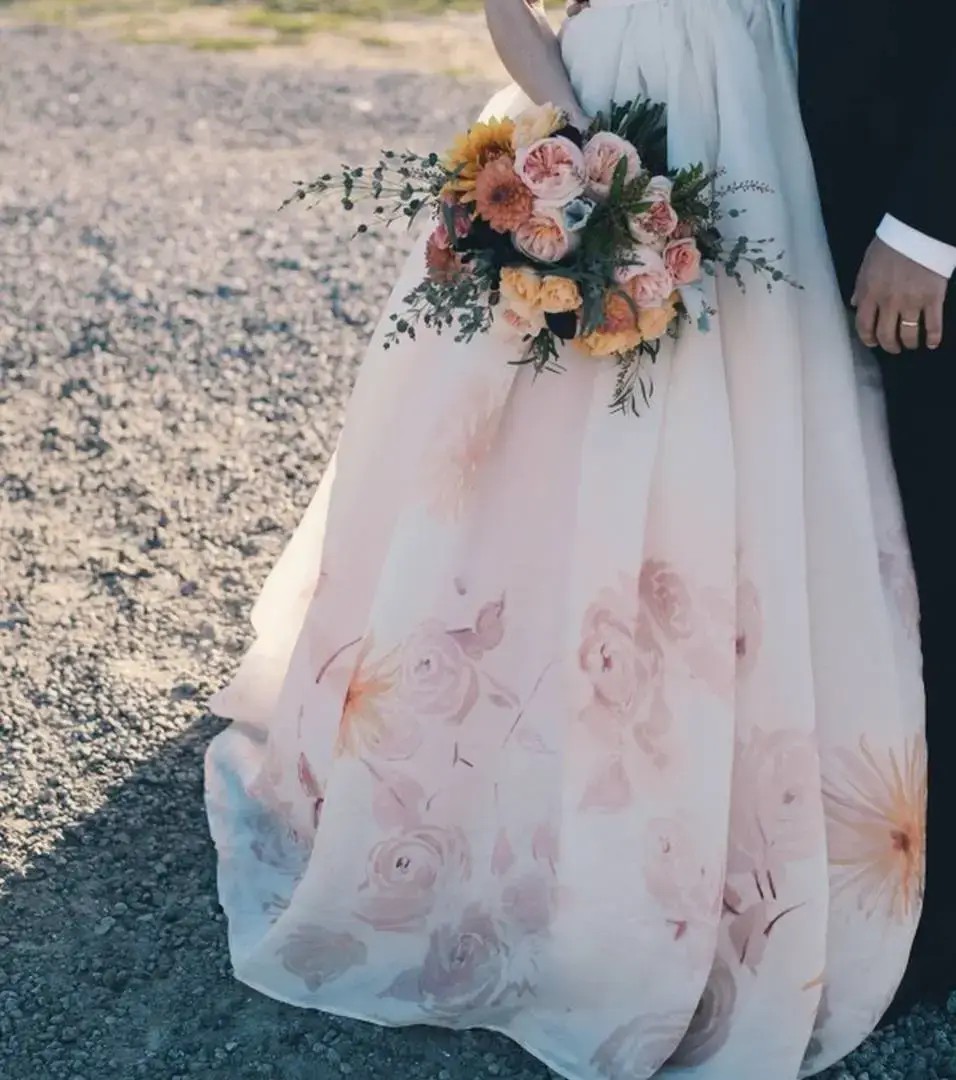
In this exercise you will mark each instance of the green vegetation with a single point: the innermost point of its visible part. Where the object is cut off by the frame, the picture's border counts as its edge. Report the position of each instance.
(374, 9)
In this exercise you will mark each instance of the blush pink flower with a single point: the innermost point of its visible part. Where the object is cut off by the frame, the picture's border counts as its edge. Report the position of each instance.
(543, 237)
(682, 259)
(552, 169)
(602, 154)
(646, 280)
(659, 221)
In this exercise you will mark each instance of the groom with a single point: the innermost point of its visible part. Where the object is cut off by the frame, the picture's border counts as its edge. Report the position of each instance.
(878, 96)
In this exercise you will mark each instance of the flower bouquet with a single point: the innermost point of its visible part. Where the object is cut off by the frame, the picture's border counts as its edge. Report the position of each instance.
(560, 236)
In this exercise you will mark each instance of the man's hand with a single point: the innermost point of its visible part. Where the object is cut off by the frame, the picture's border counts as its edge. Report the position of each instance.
(894, 297)
(575, 7)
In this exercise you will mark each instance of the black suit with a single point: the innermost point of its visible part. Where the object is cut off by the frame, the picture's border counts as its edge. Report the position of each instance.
(878, 94)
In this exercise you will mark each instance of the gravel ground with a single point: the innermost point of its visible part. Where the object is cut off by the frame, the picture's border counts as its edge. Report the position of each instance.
(175, 357)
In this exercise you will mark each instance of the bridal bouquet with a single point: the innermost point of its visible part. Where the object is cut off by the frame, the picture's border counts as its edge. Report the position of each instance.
(559, 236)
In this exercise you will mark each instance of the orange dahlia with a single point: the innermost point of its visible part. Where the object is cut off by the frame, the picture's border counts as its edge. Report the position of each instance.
(500, 196)
(471, 151)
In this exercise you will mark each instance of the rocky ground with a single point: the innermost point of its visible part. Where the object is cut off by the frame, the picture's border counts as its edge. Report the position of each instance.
(174, 357)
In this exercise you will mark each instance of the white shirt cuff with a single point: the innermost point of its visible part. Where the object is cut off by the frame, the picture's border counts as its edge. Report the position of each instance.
(915, 245)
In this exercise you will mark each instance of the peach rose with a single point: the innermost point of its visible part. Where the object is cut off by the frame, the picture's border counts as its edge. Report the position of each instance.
(682, 259)
(552, 170)
(647, 281)
(559, 294)
(535, 123)
(602, 154)
(606, 343)
(653, 323)
(543, 236)
(521, 285)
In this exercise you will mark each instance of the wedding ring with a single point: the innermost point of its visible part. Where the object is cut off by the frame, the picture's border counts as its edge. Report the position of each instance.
(907, 322)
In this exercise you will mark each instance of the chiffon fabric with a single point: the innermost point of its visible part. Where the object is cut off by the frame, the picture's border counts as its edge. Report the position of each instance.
(603, 732)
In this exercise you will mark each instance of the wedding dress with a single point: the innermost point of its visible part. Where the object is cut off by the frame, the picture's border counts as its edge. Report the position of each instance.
(603, 732)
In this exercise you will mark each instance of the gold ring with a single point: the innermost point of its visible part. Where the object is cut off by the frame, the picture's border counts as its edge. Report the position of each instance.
(907, 322)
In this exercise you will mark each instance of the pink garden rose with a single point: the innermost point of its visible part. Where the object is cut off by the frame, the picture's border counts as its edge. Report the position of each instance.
(660, 220)
(682, 259)
(602, 153)
(437, 678)
(552, 169)
(646, 280)
(403, 874)
(317, 956)
(667, 599)
(543, 237)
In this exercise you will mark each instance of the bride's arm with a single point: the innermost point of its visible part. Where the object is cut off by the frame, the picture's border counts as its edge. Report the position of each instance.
(529, 49)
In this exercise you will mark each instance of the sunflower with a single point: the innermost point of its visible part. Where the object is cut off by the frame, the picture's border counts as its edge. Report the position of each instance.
(876, 832)
(470, 152)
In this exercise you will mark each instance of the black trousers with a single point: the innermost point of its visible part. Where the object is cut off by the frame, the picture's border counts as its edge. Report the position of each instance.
(921, 407)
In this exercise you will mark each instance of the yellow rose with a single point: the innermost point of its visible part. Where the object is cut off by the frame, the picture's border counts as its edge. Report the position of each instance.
(602, 343)
(521, 285)
(653, 322)
(559, 294)
(536, 122)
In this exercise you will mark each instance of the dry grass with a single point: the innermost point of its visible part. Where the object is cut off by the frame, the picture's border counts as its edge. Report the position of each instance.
(444, 36)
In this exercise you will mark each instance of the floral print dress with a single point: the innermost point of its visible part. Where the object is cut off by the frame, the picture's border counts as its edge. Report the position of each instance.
(602, 732)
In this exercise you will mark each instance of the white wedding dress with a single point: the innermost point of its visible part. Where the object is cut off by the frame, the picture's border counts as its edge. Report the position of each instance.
(603, 732)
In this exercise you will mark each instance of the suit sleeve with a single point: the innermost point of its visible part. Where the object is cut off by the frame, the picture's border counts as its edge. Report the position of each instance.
(924, 195)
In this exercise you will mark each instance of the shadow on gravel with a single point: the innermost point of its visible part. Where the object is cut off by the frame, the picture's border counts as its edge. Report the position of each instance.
(113, 962)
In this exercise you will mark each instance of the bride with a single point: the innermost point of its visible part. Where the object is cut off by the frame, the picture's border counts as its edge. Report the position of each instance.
(602, 732)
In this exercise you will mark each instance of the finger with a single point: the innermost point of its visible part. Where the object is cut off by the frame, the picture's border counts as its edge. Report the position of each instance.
(888, 328)
(866, 312)
(909, 331)
(933, 321)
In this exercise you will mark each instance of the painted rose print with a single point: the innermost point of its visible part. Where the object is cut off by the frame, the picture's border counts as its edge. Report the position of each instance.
(775, 810)
(406, 874)
(437, 679)
(465, 968)
(875, 803)
(637, 639)
(318, 956)
(637, 1049)
(710, 1027)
